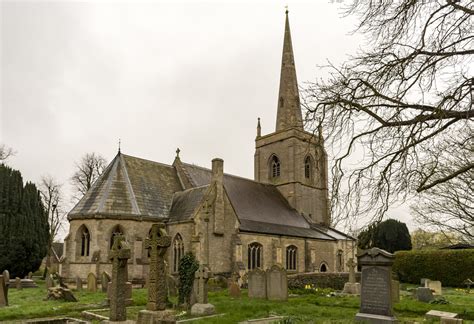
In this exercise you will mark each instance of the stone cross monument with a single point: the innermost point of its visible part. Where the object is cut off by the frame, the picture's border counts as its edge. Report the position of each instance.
(119, 256)
(202, 307)
(351, 287)
(351, 264)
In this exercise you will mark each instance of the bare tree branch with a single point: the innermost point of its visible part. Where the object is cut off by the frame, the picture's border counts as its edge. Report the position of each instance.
(88, 170)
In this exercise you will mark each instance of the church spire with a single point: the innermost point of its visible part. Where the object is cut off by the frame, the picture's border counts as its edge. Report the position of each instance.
(289, 110)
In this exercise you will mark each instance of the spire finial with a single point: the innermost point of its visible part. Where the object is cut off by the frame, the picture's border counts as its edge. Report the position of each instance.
(259, 128)
(177, 152)
(286, 9)
(119, 142)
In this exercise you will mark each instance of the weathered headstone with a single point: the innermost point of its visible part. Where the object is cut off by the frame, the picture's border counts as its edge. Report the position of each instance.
(257, 284)
(376, 287)
(91, 282)
(277, 283)
(352, 287)
(234, 287)
(119, 255)
(78, 283)
(435, 286)
(201, 307)
(3, 293)
(104, 281)
(6, 277)
(18, 283)
(435, 314)
(395, 291)
(424, 294)
(30, 275)
(423, 281)
(49, 281)
(157, 245)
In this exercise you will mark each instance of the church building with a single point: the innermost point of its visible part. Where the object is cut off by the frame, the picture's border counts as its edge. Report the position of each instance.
(230, 223)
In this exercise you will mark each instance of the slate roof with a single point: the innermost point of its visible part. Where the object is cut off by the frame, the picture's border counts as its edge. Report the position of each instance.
(131, 186)
(185, 203)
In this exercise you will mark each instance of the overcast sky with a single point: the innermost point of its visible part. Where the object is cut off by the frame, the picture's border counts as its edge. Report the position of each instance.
(77, 76)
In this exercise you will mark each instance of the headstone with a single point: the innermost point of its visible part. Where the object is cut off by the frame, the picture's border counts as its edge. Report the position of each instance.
(104, 281)
(424, 294)
(49, 281)
(376, 287)
(439, 314)
(277, 283)
(30, 275)
(156, 312)
(234, 290)
(201, 307)
(60, 293)
(6, 277)
(257, 284)
(435, 286)
(91, 282)
(78, 283)
(119, 255)
(3, 293)
(423, 281)
(352, 287)
(395, 291)
(18, 283)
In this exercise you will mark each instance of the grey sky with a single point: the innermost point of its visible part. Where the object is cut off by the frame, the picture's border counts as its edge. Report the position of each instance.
(76, 77)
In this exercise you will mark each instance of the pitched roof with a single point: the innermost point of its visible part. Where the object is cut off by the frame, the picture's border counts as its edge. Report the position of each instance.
(185, 203)
(131, 186)
(260, 207)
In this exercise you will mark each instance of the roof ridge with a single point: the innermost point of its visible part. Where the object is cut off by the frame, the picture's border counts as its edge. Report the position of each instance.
(147, 160)
(108, 183)
(133, 198)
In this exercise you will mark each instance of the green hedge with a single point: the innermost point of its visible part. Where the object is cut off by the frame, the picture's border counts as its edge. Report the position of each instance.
(451, 267)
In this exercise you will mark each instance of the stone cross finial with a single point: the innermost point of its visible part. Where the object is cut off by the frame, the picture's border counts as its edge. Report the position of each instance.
(177, 152)
(201, 276)
(157, 245)
(119, 255)
(351, 264)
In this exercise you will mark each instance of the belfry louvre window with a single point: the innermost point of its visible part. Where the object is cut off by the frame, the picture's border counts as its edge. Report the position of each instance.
(291, 257)
(178, 251)
(275, 167)
(85, 241)
(307, 167)
(255, 256)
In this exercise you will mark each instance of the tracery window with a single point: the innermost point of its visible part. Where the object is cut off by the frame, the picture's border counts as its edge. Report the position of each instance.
(275, 166)
(117, 230)
(178, 251)
(291, 257)
(85, 240)
(255, 251)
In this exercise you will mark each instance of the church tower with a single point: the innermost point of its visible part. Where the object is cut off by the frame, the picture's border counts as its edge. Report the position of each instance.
(291, 158)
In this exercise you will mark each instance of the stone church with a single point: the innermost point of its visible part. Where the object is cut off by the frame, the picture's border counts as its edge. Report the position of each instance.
(230, 223)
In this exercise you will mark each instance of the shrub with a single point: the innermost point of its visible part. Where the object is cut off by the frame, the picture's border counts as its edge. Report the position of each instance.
(451, 267)
(187, 267)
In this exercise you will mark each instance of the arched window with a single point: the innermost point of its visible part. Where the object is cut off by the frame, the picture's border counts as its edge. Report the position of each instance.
(178, 251)
(117, 230)
(255, 256)
(275, 166)
(308, 167)
(291, 257)
(323, 267)
(85, 238)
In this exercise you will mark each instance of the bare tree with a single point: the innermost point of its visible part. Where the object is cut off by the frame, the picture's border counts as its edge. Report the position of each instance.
(52, 197)
(88, 170)
(5, 152)
(398, 112)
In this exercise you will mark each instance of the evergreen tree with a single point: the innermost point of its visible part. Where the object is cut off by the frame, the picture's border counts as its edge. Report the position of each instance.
(390, 235)
(23, 224)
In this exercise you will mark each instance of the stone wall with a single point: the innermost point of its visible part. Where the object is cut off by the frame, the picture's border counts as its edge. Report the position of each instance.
(320, 280)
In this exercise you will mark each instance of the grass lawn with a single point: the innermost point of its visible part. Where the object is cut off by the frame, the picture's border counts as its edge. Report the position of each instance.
(300, 308)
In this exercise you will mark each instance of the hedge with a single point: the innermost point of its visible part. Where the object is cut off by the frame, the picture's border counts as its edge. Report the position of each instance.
(451, 267)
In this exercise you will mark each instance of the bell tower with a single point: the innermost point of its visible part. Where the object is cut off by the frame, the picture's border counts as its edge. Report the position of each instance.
(291, 158)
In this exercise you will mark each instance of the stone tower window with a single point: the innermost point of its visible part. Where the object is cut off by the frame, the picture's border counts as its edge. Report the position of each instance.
(308, 167)
(117, 230)
(291, 257)
(85, 240)
(255, 256)
(178, 251)
(323, 267)
(275, 166)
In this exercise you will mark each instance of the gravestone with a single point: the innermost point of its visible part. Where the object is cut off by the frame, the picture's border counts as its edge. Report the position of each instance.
(6, 277)
(91, 282)
(424, 294)
(78, 283)
(395, 291)
(18, 283)
(30, 275)
(376, 287)
(423, 281)
(277, 283)
(119, 255)
(201, 307)
(49, 281)
(257, 284)
(3, 293)
(234, 287)
(435, 314)
(104, 281)
(156, 312)
(352, 287)
(435, 286)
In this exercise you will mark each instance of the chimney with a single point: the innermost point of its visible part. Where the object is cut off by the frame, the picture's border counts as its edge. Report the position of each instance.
(218, 182)
(217, 170)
